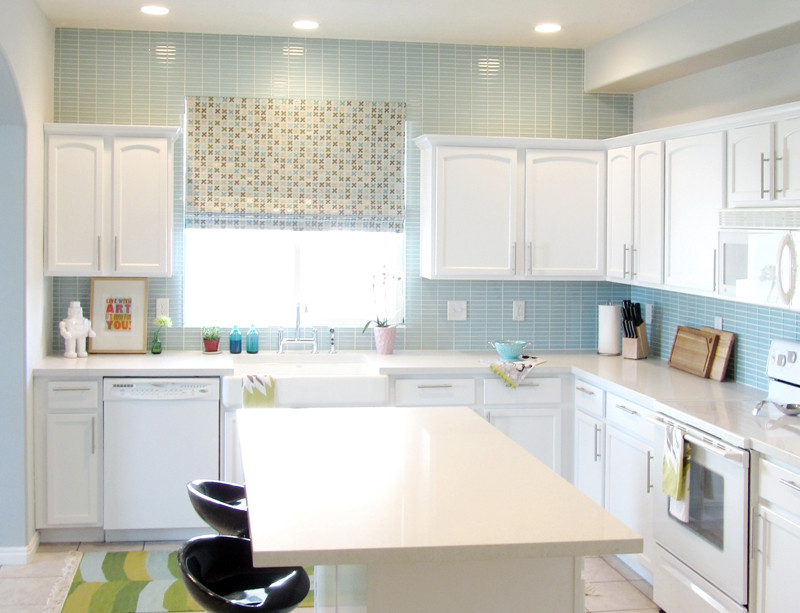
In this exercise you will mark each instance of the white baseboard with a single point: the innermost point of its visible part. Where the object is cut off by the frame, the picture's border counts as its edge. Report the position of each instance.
(19, 555)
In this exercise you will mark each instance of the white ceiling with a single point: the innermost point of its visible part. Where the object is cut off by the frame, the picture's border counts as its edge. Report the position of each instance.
(483, 22)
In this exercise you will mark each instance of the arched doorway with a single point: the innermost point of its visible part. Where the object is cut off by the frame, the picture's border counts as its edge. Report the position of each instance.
(13, 496)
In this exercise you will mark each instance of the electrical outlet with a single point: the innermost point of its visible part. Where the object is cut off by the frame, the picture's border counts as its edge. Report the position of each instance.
(518, 310)
(648, 313)
(456, 310)
(162, 307)
(718, 322)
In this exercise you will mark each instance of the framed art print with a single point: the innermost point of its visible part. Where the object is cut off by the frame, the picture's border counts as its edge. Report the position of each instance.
(119, 315)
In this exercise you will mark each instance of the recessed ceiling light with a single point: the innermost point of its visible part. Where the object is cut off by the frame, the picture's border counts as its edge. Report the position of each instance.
(547, 28)
(305, 24)
(152, 9)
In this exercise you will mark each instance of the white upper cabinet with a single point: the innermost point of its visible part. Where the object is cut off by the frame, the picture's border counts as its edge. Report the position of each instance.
(635, 201)
(694, 192)
(109, 200)
(762, 171)
(565, 213)
(469, 209)
(510, 212)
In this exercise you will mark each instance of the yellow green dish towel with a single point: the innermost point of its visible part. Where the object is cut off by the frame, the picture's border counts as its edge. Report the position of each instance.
(514, 373)
(258, 391)
(675, 472)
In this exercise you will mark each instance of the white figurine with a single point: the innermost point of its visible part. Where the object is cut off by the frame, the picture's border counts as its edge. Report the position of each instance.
(75, 328)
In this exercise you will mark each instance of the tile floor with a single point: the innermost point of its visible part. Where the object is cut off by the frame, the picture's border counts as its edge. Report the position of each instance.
(42, 585)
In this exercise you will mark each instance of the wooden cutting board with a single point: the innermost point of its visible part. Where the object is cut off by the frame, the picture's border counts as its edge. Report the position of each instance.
(693, 350)
(723, 353)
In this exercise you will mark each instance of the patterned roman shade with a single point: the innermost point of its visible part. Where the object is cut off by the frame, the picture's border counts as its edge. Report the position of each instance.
(294, 164)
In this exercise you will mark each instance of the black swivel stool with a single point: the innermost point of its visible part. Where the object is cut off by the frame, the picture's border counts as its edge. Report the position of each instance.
(222, 505)
(219, 574)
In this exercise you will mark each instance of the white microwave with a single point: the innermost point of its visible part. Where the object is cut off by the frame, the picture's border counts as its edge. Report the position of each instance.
(759, 266)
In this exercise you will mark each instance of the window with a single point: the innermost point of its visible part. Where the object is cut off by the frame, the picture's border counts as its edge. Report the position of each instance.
(257, 277)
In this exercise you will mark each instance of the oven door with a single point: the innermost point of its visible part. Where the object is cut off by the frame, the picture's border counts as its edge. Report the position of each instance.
(714, 540)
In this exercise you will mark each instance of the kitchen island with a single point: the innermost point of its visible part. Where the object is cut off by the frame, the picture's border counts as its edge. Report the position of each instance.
(441, 510)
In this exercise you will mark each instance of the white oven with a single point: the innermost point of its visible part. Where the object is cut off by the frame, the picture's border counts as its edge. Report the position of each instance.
(701, 563)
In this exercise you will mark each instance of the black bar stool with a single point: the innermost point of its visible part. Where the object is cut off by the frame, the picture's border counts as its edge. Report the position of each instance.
(222, 505)
(219, 574)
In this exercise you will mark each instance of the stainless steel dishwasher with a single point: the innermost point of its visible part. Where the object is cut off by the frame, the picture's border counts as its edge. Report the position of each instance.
(158, 435)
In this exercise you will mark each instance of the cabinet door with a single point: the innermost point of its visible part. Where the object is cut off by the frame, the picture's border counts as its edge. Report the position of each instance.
(72, 469)
(750, 163)
(648, 213)
(537, 430)
(777, 541)
(620, 212)
(142, 206)
(629, 486)
(565, 213)
(787, 156)
(589, 456)
(477, 201)
(694, 192)
(75, 197)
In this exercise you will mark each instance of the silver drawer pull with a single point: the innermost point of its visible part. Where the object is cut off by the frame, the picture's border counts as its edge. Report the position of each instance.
(434, 386)
(790, 484)
(72, 389)
(626, 409)
(528, 385)
(585, 391)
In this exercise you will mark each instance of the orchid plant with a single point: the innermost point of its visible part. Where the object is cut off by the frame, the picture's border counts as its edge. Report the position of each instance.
(385, 284)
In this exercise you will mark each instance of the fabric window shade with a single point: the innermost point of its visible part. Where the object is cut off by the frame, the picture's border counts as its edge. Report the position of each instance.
(294, 164)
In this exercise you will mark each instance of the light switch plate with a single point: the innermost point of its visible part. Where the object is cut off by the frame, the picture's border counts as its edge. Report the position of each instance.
(456, 310)
(518, 310)
(162, 307)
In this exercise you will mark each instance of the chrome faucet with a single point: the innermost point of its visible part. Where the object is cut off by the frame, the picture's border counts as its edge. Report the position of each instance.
(297, 340)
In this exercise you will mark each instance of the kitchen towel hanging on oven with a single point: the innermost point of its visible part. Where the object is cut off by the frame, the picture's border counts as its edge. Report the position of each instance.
(675, 473)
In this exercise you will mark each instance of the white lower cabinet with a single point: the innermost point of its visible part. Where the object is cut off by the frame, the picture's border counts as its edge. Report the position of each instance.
(530, 415)
(629, 473)
(776, 539)
(68, 452)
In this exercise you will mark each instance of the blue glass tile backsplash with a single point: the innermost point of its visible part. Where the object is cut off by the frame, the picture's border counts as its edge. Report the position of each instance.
(122, 77)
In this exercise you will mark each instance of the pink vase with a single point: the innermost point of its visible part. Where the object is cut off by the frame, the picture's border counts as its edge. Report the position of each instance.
(384, 340)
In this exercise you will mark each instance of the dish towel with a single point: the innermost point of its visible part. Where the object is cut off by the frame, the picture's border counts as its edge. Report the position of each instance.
(258, 391)
(514, 373)
(675, 475)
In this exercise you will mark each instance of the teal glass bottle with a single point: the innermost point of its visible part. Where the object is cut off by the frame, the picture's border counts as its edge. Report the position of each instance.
(235, 340)
(252, 340)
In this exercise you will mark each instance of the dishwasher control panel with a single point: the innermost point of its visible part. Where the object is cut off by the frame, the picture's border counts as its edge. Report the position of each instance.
(161, 388)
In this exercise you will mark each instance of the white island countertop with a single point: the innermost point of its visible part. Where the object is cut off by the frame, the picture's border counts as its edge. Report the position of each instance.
(361, 485)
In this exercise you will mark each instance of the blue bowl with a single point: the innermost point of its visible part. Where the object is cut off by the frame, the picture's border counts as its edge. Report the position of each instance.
(509, 350)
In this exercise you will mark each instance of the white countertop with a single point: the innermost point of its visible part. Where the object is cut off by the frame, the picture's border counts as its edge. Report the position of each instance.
(361, 485)
(722, 409)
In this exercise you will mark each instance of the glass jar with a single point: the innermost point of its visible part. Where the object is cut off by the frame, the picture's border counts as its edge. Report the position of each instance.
(252, 340)
(235, 340)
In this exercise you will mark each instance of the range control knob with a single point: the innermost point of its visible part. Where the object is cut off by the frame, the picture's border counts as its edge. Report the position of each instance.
(792, 357)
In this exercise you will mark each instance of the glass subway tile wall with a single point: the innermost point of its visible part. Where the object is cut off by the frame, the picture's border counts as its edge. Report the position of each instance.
(122, 77)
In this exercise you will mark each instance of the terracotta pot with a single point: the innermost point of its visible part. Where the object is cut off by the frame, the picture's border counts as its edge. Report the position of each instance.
(211, 345)
(384, 340)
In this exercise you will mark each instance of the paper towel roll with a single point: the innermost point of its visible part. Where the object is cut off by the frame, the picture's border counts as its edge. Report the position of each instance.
(608, 319)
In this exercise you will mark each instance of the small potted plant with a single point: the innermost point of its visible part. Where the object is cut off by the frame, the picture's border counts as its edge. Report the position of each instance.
(210, 339)
(162, 321)
(385, 286)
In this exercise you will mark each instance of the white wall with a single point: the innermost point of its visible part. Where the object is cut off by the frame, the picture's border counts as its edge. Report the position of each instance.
(26, 102)
(761, 81)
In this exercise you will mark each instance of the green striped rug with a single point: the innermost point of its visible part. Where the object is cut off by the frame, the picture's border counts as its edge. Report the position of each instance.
(133, 582)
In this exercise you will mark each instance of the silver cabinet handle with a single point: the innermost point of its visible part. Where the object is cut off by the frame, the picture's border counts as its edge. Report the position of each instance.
(514, 257)
(790, 484)
(72, 389)
(622, 407)
(714, 276)
(596, 443)
(99, 253)
(779, 190)
(634, 251)
(649, 462)
(764, 160)
(585, 391)
(116, 253)
(624, 260)
(94, 429)
(530, 258)
(434, 386)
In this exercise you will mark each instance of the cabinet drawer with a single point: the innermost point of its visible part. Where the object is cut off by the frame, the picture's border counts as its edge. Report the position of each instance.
(533, 390)
(72, 395)
(779, 485)
(629, 416)
(589, 398)
(434, 392)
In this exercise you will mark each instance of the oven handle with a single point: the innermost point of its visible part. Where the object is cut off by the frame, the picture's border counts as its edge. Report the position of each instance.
(729, 453)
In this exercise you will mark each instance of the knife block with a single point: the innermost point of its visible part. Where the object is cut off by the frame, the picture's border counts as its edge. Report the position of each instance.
(636, 348)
